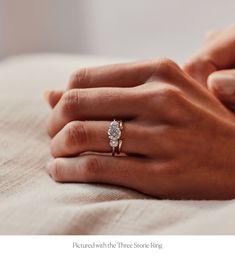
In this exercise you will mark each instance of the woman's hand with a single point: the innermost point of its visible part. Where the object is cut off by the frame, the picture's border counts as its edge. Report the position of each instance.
(213, 65)
(178, 139)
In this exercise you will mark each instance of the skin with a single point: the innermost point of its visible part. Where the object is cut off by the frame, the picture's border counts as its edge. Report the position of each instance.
(213, 65)
(178, 138)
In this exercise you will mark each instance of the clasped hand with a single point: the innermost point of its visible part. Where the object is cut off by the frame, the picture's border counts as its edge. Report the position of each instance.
(178, 138)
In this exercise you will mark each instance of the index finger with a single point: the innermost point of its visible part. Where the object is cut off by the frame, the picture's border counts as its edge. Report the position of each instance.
(114, 75)
(216, 55)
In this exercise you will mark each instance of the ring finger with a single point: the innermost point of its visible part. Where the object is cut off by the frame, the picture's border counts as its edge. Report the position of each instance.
(84, 136)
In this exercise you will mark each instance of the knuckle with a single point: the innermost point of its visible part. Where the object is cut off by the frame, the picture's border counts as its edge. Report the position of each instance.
(91, 168)
(171, 94)
(164, 67)
(79, 78)
(173, 98)
(70, 101)
(76, 134)
(166, 62)
(192, 66)
(166, 95)
(200, 65)
(167, 102)
(56, 170)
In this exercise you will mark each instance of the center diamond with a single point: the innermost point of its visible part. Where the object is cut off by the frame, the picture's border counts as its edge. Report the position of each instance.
(114, 131)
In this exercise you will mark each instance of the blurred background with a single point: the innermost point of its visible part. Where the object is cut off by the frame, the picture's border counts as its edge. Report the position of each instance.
(119, 28)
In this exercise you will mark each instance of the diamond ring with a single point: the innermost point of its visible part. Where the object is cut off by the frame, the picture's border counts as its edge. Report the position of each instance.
(114, 134)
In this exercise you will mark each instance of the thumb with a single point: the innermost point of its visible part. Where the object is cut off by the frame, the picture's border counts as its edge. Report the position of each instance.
(222, 84)
(217, 54)
(53, 97)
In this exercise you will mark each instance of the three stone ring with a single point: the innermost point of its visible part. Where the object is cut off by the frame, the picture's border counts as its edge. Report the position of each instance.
(114, 134)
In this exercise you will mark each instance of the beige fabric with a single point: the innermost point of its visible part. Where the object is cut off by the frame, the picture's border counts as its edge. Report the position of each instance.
(32, 203)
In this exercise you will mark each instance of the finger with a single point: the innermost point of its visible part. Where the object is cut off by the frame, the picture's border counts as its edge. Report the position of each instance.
(93, 104)
(84, 136)
(200, 70)
(137, 173)
(215, 55)
(53, 97)
(222, 84)
(120, 75)
(115, 75)
(211, 35)
(120, 103)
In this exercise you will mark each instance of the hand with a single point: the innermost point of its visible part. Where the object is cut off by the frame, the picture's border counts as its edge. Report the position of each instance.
(178, 139)
(213, 65)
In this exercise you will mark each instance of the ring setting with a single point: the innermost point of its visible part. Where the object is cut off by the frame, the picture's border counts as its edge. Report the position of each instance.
(114, 134)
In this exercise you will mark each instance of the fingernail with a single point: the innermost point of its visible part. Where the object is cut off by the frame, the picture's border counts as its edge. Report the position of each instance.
(46, 95)
(49, 166)
(224, 84)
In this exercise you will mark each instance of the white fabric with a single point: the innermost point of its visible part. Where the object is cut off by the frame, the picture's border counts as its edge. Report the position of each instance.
(32, 203)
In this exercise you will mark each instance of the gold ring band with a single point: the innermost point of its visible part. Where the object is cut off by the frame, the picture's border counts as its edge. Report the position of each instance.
(119, 147)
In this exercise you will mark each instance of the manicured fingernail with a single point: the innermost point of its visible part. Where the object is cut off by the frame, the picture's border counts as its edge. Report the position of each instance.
(224, 83)
(46, 95)
(49, 166)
